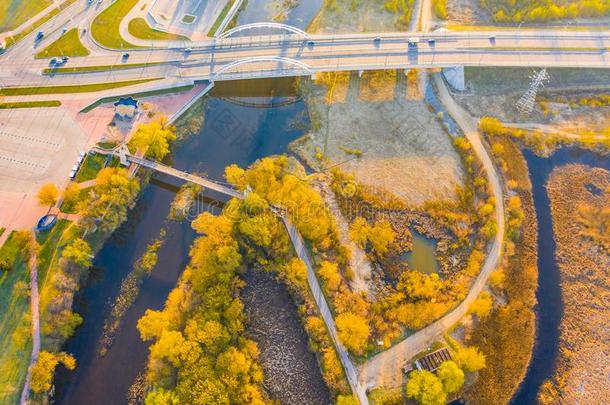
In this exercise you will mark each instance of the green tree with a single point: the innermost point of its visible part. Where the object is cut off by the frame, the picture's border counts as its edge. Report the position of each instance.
(71, 194)
(347, 400)
(426, 388)
(78, 252)
(162, 396)
(451, 376)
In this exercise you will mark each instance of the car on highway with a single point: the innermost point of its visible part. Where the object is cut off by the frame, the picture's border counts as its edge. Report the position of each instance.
(432, 42)
(377, 39)
(188, 50)
(310, 43)
(413, 42)
(39, 36)
(125, 56)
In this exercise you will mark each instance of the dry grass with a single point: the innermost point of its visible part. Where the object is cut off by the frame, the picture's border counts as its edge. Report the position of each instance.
(405, 149)
(377, 85)
(507, 357)
(582, 367)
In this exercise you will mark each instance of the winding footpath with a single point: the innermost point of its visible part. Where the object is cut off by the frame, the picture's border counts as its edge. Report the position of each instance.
(34, 304)
(385, 369)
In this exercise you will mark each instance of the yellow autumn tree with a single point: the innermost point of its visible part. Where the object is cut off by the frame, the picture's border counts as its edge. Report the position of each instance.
(353, 331)
(48, 195)
(330, 274)
(44, 368)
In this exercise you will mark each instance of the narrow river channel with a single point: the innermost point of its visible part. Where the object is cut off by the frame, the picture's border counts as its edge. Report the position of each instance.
(550, 308)
(231, 133)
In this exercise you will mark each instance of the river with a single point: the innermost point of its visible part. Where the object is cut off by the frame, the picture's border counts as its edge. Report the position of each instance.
(231, 133)
(550, 307)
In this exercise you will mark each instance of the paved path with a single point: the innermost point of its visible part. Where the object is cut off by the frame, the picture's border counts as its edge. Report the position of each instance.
(300, 249)
(34, 305)
(385, 369)
(348, 366)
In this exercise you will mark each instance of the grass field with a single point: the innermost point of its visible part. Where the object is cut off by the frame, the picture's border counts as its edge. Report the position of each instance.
(48, 244)
(105, 27)
(68, 44)
(30, 104)
(92, 165)
(100, 68)
(220, 18)
(15, 12)
(10, 41)
(15, 316)
(86, 88)
(139, 28)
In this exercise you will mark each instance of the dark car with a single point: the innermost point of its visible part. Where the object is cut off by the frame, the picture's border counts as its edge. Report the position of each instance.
(39, 36)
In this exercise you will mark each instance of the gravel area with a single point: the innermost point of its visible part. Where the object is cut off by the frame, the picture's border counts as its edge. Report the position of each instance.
(291, 371)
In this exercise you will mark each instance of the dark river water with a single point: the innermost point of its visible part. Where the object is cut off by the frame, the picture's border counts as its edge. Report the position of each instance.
(231, 133)
(550, 308)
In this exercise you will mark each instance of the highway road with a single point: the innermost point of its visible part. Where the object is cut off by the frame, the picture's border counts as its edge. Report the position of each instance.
(287, 55)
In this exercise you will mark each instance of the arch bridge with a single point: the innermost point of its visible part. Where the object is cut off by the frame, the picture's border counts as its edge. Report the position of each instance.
(270, 25)
(271, 66)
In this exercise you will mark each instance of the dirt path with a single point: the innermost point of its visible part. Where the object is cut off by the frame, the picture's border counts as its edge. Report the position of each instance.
(385, 369)
(34, 303)
(549, 129)
(359, 262)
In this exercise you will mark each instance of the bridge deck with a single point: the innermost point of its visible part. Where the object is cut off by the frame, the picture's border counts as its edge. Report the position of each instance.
(208, 184)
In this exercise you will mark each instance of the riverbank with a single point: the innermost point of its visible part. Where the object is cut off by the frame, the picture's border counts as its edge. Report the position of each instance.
(506, 336)
(221, 132)
(580, 197)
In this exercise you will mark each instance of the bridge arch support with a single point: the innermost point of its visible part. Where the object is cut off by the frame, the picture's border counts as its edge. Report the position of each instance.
(300, 67)
(270, 25)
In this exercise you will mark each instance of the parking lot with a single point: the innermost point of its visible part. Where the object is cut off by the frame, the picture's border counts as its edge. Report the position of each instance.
(37, 146)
